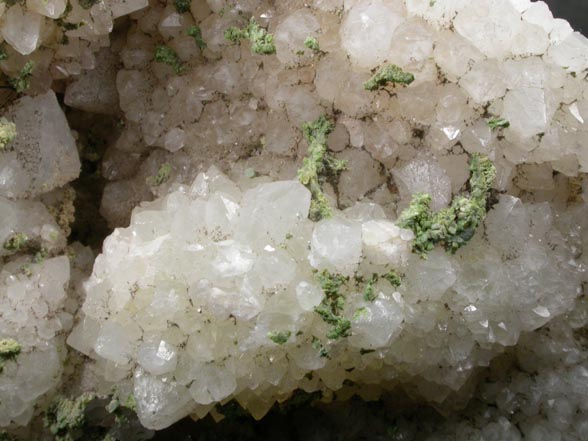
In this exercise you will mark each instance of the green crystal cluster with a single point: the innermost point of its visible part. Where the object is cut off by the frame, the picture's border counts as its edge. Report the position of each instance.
(388, 74)
(391, 276)
(7, 132)
(498, 123)
(261, 42)
(15, 242)
(66, 418)
(331, 308)
(455, 225)
(22, 81)
(9, 350)
(167, 55)
(318, 166)
(196, 33)
(279, 337)
(312, 43)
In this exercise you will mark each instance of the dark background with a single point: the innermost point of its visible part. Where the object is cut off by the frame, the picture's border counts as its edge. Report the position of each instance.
(574, 11)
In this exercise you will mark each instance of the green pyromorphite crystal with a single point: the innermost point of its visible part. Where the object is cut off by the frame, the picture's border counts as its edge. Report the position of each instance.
(162, 175)
(196, 33)
(261, 42)
(331, 308)
(388, 74)
(65, 418)
(279, 337)
(7, 132)
(454, 226)
(318, 165)
(312, 43)
(9, 350)
(368, 294)
(391, 276)
(496, 123)
(15, 242)
(167, 55)
(22, 81)
(182, 5)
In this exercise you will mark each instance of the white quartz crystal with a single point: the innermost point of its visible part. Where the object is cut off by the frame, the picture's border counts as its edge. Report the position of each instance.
(29, 303)
(43, 155)
(22, 29)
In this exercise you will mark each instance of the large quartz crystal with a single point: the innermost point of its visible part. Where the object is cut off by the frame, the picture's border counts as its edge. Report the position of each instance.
(43, 155)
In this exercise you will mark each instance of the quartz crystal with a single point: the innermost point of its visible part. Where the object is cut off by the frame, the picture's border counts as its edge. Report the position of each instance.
(43, 155)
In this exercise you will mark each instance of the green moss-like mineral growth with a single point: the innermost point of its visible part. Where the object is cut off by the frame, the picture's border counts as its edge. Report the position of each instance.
(388, 74)
(391, 276)
(9, 350)
(15, 242)
(279, 337)
(312, 43)
(166, 55)
(261, 42)
(498, 123)
(92, 418)
(162, 176)
(7, 132)
(331, 308)
(182, 5)
(369, 293)
(22, 81)
(87, 4)
(196, 33)
(318, 166)
(65, 418)
(454, 226)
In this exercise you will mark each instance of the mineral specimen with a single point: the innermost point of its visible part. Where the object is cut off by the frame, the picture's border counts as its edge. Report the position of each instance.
(448, 129)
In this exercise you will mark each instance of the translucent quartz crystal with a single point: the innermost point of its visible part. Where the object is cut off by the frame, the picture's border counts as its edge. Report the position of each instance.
(95, 90)
(43, 155)
(51, 9)
(31, 219)
(22, 29)
(423, 175)
(366, 31)
(291, 34)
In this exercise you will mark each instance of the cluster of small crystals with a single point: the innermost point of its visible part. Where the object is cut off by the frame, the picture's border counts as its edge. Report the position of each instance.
(211, 293)
(500, 77)
(217, 291)
(39, 158)
(537, 392)
(59, 38)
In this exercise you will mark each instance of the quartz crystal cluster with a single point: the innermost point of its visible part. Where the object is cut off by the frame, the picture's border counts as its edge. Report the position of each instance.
(234, 311)
(223, 279)
(39, 159)
(57, 38)
(219, 291)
